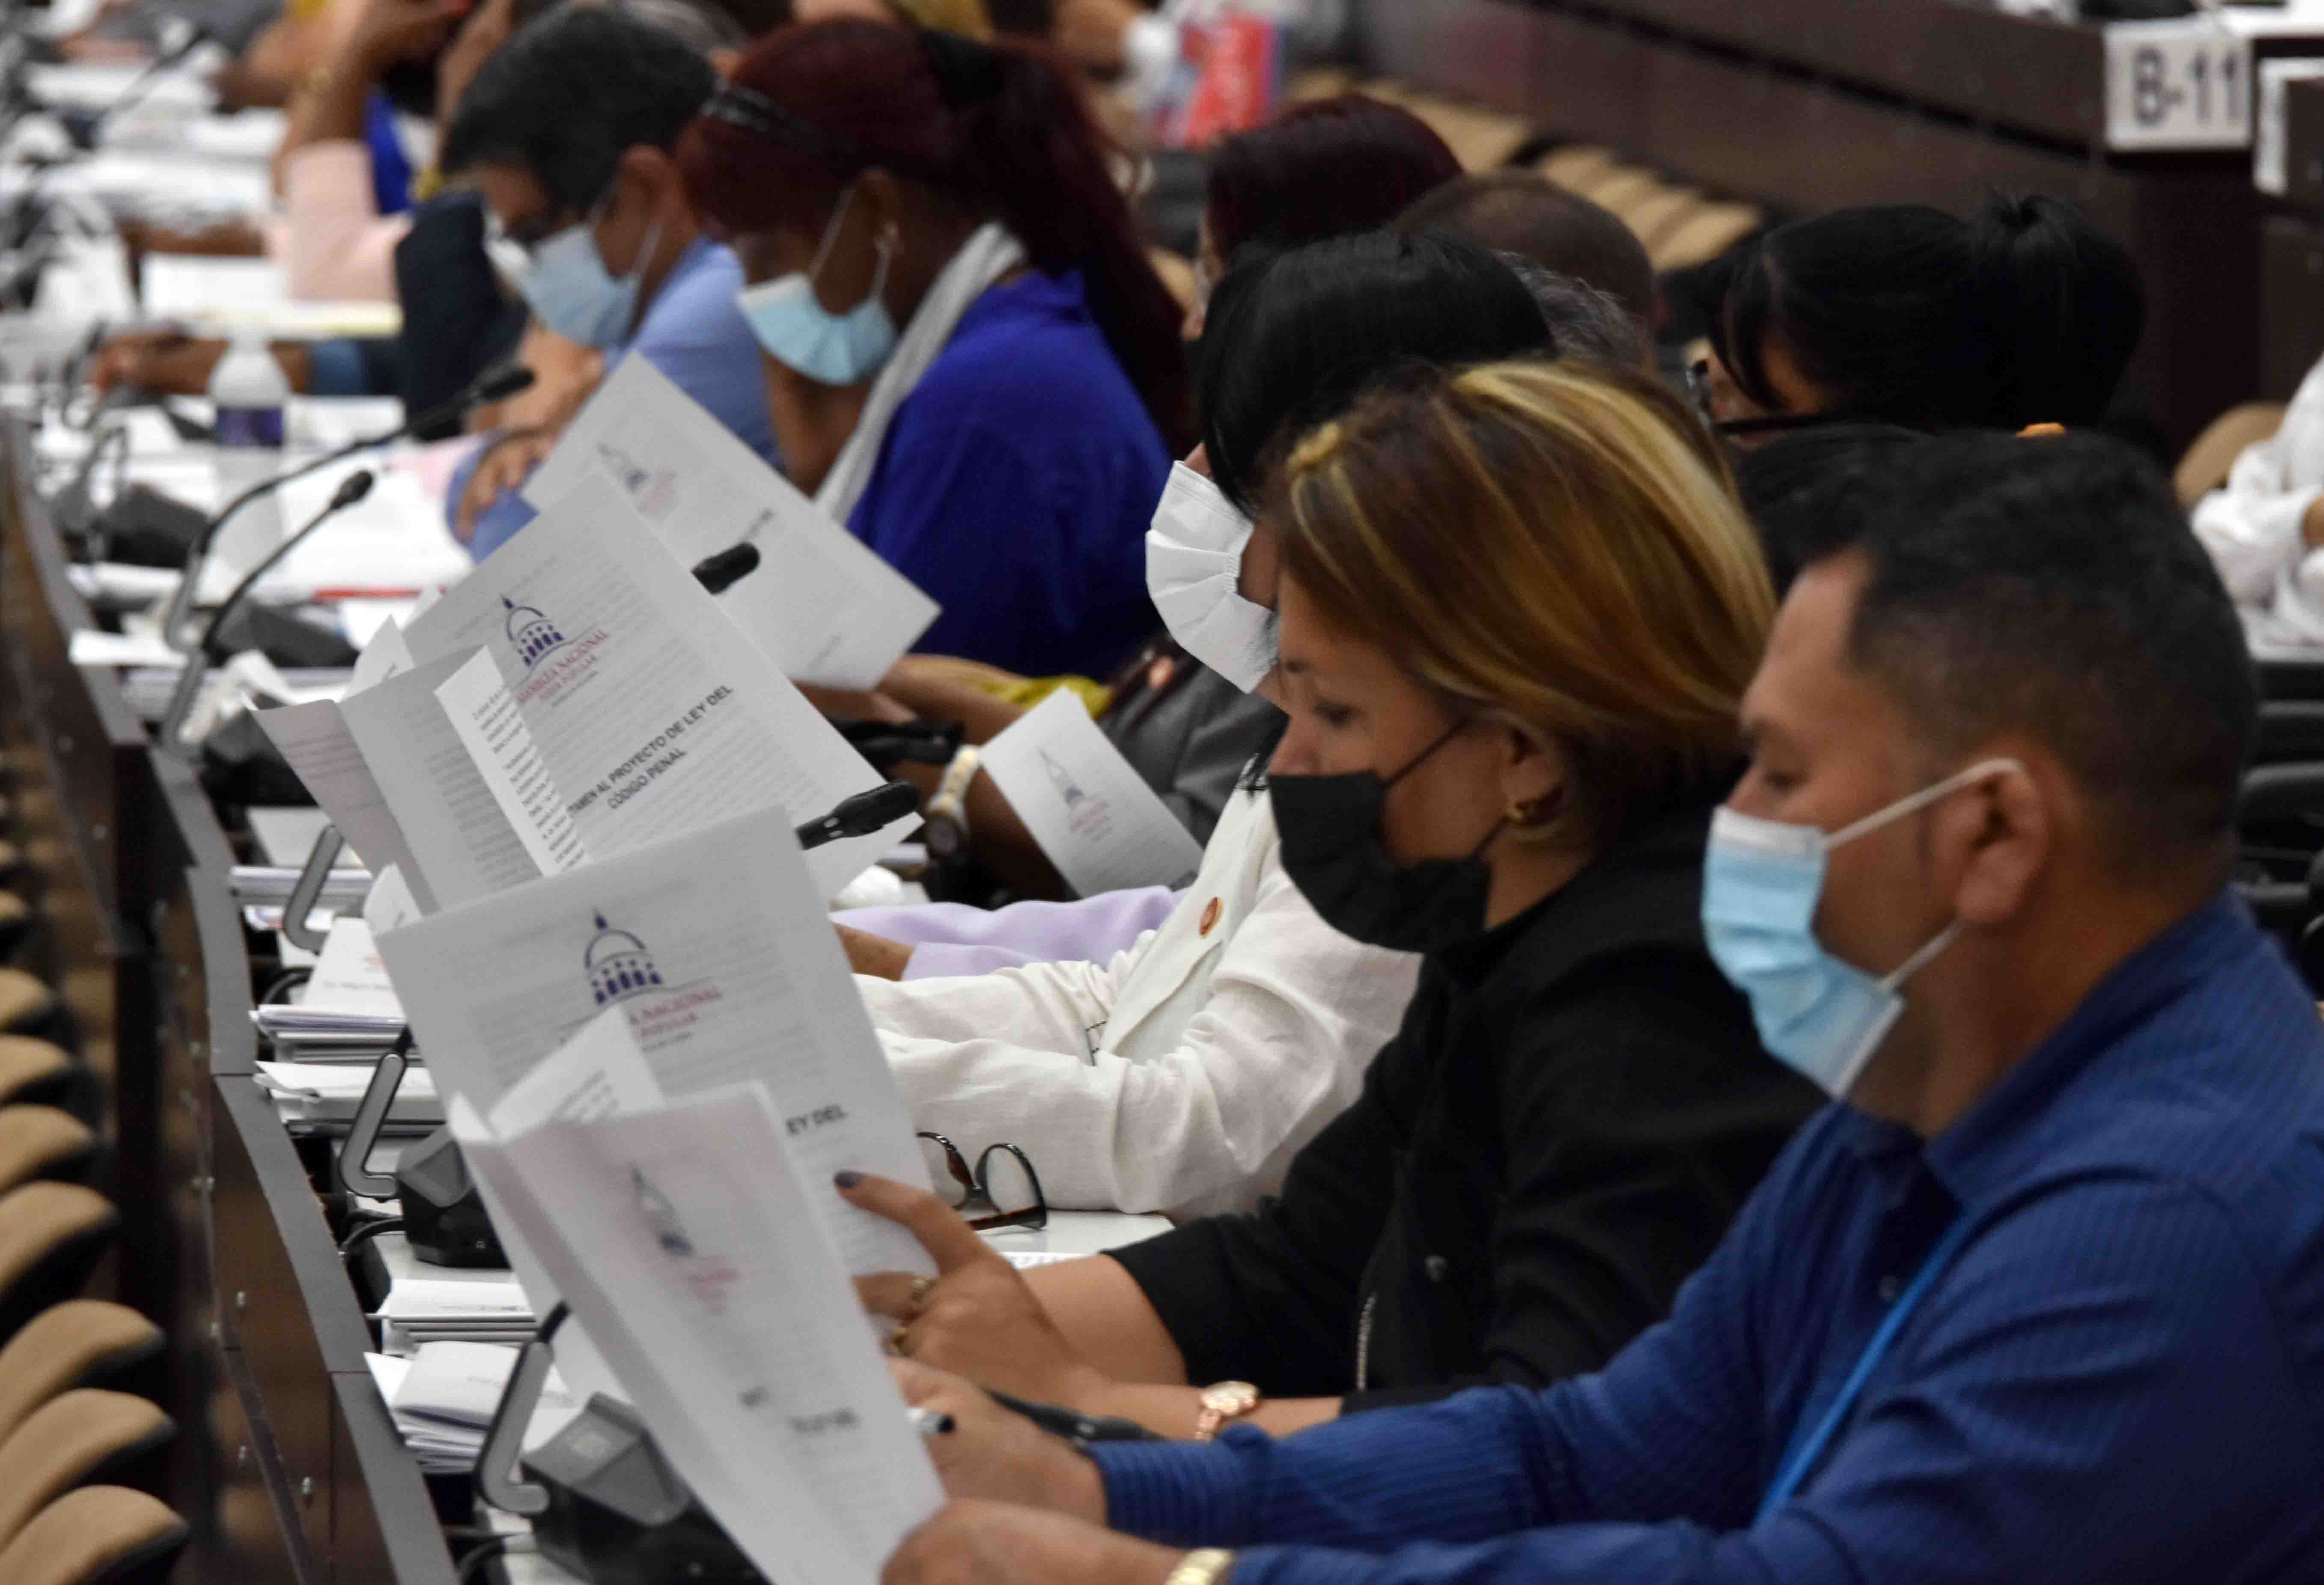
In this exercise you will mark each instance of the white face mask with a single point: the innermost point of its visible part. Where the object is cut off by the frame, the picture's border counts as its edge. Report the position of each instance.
(1194, 563)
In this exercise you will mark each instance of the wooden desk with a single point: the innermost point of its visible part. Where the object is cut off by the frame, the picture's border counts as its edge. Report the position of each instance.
(1808, 104)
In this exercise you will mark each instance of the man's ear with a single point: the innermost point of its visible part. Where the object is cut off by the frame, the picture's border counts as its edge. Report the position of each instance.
(2002, 835)
(642, 168)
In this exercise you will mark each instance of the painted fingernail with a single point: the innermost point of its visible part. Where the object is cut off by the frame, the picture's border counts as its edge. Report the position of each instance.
(847, 1180)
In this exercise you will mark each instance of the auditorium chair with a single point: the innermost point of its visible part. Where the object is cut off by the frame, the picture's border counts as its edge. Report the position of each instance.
(40, 1072)
(42, 1143)
(81, 1342)
(27, 1004)
(51, 1236)
(85, 1437)
(97, 1536)
(16, 919)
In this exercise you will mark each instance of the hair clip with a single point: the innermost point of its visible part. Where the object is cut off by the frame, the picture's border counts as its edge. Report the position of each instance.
(755, 112)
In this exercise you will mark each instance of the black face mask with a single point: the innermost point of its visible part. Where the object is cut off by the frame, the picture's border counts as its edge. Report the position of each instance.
(1330, 827)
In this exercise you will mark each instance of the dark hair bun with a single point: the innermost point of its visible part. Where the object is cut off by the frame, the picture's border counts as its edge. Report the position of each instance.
(2065, 306)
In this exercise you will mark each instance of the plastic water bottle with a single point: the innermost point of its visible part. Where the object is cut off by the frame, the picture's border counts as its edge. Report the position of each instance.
(249, 392)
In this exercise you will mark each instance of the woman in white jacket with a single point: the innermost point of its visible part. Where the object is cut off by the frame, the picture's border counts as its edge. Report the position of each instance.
(1185, 1075)
(2265, 529)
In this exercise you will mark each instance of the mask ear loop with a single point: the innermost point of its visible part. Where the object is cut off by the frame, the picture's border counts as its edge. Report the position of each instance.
(831, 232)
(1415, 763)
(1919, 800)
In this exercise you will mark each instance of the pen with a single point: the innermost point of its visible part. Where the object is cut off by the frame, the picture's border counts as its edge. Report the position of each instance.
(930, 1422)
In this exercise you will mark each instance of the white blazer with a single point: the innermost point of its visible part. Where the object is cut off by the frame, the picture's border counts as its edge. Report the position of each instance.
(1184, 1075)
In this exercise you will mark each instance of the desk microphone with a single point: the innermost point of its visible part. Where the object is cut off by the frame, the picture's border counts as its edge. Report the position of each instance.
(204, 654)
(494, 386)
(728, 567)
(862, 814)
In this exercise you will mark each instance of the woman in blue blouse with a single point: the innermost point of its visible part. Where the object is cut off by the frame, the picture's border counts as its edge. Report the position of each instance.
(976, 368)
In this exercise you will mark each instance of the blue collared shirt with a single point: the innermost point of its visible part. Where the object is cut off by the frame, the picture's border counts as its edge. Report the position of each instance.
(693, 333)
(2119, 1379)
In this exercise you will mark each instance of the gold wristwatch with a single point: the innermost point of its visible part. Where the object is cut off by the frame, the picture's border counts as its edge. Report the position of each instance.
(1229, 1400)
(1207, 1567)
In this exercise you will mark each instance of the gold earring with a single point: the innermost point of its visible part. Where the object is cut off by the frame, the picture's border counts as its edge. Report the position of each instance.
(1525, 811)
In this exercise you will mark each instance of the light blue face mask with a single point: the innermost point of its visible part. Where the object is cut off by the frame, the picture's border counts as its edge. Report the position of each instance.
(569, 290)
(802, 334)
(1761, 883)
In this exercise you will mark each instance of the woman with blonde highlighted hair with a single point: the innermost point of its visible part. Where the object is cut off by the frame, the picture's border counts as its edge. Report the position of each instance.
(1519, 606)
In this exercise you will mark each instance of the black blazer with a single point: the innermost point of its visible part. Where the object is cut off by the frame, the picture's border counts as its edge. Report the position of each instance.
(1574, 1109)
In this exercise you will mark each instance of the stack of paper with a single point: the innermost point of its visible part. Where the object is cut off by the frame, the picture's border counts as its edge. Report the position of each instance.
(455, 1307)
(146, 689)
(443, 1398)
(346, 1004)
(270, 886)
(329, 1092)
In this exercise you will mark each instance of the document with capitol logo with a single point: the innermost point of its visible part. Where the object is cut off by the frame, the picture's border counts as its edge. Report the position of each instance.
(716, 947)
(651, 712)
(821, 603)
(686, 1240)
(1093, 815)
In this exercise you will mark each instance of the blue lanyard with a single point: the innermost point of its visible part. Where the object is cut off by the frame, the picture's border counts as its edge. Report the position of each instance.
(1802, 1456)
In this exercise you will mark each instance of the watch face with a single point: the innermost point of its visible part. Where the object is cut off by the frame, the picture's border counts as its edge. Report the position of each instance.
(1231, 1398)
(942, 838)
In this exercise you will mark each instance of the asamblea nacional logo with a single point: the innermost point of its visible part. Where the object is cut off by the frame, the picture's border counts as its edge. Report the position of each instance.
(620, 969)
(553, 660)
(530, 633)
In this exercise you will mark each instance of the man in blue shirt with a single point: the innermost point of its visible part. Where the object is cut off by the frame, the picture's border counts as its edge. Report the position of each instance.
(2042, 1298)
(567, 132)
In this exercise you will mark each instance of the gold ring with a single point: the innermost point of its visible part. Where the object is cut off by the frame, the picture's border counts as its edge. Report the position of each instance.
(922, 1286)
(893, 1344)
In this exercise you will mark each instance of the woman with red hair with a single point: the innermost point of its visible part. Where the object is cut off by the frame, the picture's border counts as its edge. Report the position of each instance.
(938, 251)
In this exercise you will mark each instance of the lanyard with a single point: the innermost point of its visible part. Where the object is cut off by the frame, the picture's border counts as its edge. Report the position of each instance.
(1804, 1454)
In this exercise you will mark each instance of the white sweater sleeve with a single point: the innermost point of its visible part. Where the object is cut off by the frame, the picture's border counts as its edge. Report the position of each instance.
(1295, 1014)
(2251, 525)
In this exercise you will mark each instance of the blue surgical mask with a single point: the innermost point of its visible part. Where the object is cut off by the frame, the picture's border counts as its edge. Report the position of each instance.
(1761, 883)
(569, 290)
(802, 334)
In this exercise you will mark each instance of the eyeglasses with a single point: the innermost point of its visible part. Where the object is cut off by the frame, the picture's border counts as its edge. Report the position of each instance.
(1004, 1179)
(1698, 390)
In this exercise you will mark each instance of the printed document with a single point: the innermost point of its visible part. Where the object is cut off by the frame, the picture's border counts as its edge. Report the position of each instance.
(460, 842)
(487, 722)
(1092, 814)
(821, 603)
(314, 742)
(685, 1239)
(652, 712)
(716, 948)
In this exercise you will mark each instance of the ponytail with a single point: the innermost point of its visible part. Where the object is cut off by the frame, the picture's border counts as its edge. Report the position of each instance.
(1030, 150)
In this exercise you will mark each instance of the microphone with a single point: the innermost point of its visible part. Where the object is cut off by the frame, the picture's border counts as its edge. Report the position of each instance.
(728, 567)
(204, 654)
(862, 814)
(493, 385)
